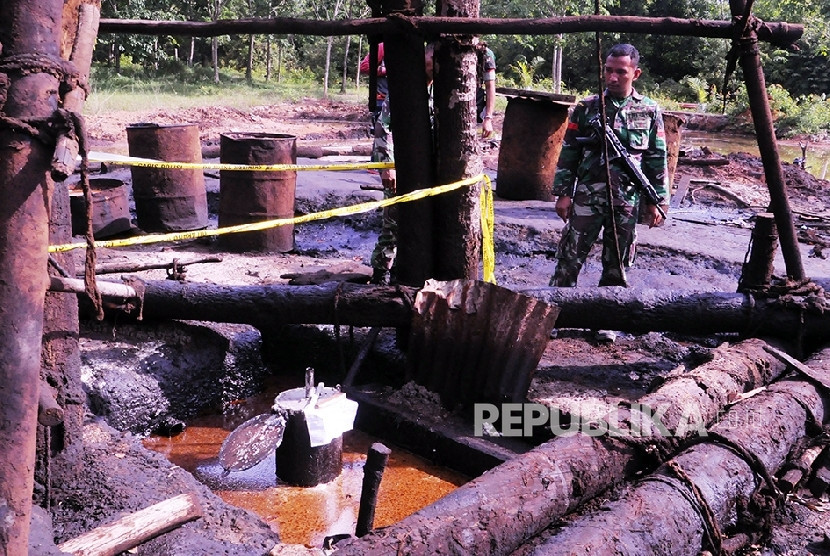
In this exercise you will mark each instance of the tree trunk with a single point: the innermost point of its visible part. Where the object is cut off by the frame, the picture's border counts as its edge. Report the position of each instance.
(345, 65)
(498, 511)
(327, 67)
(557, 68)
(457, 226)
(214, 57)
(414, 163)
(249, 66)
(267, 58)
(766, 426)
(357, 66)
(29, 30)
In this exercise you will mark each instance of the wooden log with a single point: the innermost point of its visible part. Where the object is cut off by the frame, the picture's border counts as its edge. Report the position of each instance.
(496, 512)
(757, 271)
(624, 309)
(134, 529)
(372, 474)
(790, 480)
(779, 33)
(642, 310)
(686, 503)
(49, 413)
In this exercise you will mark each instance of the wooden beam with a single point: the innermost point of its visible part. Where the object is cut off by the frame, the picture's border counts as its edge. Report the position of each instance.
(782, 34)
(136, 528)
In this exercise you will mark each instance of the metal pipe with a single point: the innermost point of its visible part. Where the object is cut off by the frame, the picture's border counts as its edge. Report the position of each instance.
(29, 37)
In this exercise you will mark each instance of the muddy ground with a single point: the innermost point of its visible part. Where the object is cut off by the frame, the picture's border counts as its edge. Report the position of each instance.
(700, 249)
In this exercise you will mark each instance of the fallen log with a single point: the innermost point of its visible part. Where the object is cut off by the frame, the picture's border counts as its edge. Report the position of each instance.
(134, 529)
(498, 511)
(699, 490)
(612, 308)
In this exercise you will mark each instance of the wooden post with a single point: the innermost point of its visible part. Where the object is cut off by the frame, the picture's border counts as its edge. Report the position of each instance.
(412, 132)
(29, 36)
(757, 271)
(756, 88)
(457, 226)
(372, 474)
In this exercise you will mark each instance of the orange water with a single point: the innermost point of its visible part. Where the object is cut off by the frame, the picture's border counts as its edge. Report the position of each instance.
(307, 515)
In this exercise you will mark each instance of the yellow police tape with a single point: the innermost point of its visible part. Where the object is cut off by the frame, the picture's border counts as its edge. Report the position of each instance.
(487, 222)
(150, 163)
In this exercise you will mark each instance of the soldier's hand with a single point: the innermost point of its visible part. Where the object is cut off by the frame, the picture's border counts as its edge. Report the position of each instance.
(487, 128)
(563, 207)
(654, 219)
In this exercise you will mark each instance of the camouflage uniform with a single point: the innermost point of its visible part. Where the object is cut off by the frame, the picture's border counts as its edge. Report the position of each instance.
(580, 174)
(383, 255)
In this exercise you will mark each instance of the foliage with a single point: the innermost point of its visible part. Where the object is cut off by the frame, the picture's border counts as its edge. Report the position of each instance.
(525, 72)
(809, 114)
(679, 69)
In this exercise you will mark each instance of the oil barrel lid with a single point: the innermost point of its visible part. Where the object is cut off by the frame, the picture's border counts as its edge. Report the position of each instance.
(251, 442)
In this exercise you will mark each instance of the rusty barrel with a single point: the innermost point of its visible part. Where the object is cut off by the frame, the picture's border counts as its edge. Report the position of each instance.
(534, 125)
(246, 197)
(168, 199)
(110, 208)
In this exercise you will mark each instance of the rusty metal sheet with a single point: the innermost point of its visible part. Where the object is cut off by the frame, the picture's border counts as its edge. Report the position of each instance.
(476, 342)
(251, 442)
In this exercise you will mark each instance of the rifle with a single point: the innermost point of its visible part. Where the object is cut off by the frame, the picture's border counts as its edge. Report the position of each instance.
(617, 149)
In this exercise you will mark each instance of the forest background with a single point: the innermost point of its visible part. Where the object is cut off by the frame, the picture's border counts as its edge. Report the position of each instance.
(258, 69)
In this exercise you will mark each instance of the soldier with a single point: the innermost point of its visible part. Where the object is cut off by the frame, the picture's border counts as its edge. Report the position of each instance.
(485, 87)
(580, 180)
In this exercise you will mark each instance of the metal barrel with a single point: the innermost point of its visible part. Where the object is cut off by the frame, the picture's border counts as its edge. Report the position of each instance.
(110, 208)
(246, 197)
(531, 141)
(168, 199)
(298, 463)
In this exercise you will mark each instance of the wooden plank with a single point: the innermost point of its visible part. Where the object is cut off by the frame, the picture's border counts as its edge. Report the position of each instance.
(537, 95)
(136, 528)
(680, 193)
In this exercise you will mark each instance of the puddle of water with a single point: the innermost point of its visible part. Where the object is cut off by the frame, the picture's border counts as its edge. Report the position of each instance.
(306, 515)
(818, 156)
